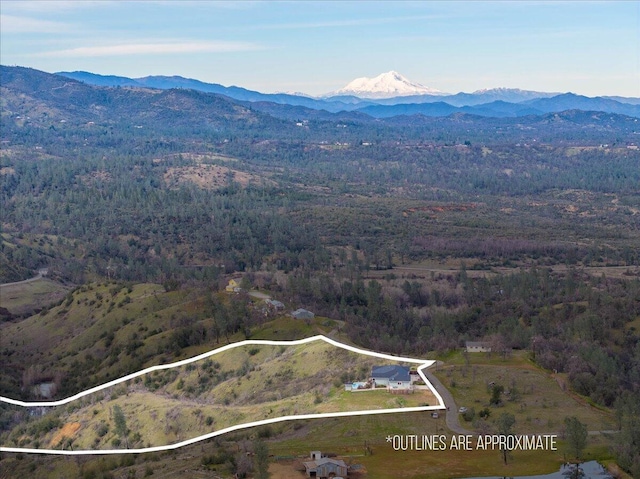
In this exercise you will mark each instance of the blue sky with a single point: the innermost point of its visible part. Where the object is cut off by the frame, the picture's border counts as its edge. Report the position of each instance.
(591, 48)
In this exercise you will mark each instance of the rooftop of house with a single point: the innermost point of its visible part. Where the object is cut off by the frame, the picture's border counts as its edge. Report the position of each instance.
(325, 460)
(302, 313)
(393, 372)
(275, 303)
(476, 344)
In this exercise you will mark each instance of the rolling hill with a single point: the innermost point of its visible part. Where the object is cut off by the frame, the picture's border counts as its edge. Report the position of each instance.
(496, 102)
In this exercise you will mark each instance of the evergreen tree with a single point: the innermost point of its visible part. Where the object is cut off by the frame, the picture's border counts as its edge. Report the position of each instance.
(261, 459)
(121, 424)
(505, 426)
(576, 433)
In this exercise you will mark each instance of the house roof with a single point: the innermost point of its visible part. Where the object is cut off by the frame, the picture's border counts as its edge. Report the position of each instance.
(324, 460)
(275, 303)
(302, 313)
(476, 344)
(392, 372)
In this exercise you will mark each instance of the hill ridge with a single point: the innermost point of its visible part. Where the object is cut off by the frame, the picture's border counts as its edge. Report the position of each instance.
(247, 342)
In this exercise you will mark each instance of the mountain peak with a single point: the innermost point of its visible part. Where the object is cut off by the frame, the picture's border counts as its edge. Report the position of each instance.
(386, 85)
(513, 95)
(498, 90)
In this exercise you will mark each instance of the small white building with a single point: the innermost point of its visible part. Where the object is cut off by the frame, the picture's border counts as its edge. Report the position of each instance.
(477, 347)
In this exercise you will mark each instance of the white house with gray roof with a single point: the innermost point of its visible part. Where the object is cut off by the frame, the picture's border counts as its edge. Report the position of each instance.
(393, 376)
(477, 347)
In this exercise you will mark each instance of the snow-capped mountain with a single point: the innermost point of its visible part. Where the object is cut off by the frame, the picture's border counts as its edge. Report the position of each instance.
(293, 93)
(387, 85)
(493, 102)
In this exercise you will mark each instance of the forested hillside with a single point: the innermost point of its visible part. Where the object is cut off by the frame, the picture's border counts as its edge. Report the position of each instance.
(77, 165)
(523, 232)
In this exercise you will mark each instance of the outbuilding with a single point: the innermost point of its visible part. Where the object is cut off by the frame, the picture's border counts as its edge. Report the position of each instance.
(477, 347)
(303, 314)
(324, 467)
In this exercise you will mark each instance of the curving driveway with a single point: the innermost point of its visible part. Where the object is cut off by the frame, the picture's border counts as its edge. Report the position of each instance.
(452, 416)
(25, 281)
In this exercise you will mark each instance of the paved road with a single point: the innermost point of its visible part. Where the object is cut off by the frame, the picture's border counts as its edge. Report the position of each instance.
(25, 281)
(452, 416)
(259, 295)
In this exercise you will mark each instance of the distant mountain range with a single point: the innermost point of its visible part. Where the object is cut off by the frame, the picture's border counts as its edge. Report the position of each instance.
(33, 99)
(499, 108)
(364, 95)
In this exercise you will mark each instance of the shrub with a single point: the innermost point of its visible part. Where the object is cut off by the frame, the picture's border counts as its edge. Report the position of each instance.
(469, 415)
(485, 413)
(103, 429)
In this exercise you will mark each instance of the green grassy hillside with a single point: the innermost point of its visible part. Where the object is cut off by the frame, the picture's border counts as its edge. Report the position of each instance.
(26, 296)
(238, 386)
(104, 331)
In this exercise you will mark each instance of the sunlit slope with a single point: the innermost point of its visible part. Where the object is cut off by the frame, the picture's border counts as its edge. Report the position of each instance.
(242, 385)
(101, 332)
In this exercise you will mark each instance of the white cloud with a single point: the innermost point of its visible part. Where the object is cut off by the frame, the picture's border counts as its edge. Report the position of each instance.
(347, 23)
(53, 5)
(221, 4)
(17, 24)
(154, 49)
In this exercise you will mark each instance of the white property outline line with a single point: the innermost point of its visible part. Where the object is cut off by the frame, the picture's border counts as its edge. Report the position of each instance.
(423, 364)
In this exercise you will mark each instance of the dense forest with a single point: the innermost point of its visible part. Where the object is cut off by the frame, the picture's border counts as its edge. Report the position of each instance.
(182, 188)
